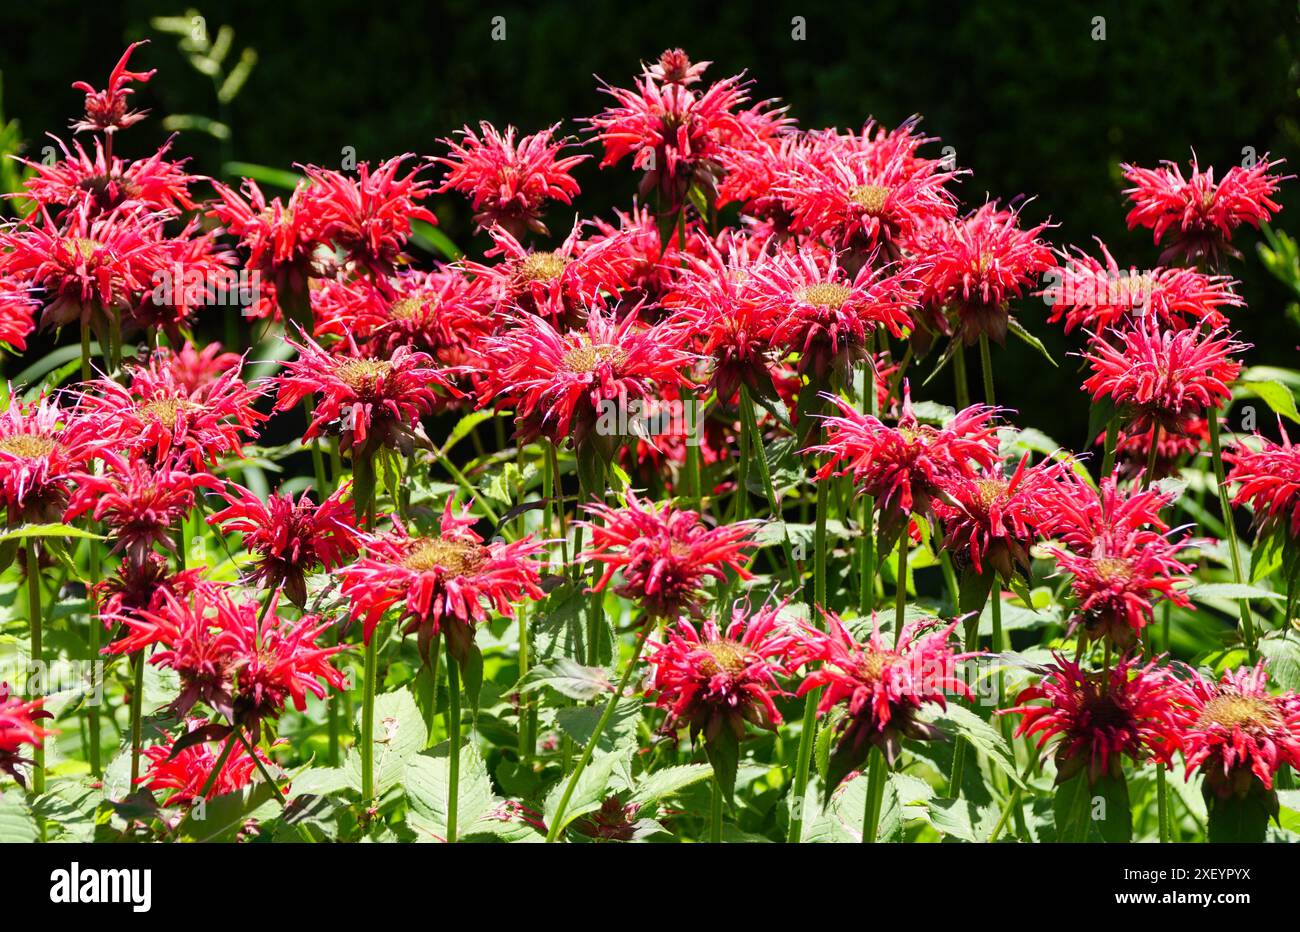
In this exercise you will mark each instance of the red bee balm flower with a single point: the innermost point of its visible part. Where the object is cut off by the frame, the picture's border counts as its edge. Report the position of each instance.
(182, 774)
(883, 688)
(1199, 214)
(1163, 376)
(990, 519)
(42, 447)
(240, 661)
(140, 503)
(558, 383)
(18, 727)
(106, 110)
(1269, 481)
(378, 401)
(446, 584)
(904, 467)
(716, 680)
(664, 554)
(290, 538)
(508, 182)
(1237, 732)
(1099, 718)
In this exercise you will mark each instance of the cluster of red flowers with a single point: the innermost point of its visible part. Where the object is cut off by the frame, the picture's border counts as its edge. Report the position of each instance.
(850, 257)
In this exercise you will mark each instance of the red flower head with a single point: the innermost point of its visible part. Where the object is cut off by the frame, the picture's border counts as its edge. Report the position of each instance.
(368, 217)
(675, 134)
(1236, 732)
(1099, 296)
(280, 239)
(244, 666)
(675, 67)
(1163, 377)
(441, 312)
(979, 263)
(106, 110)
(882, 688)
(154, 183)
(507, 182)
(17, 307)
(446, 584)
(18, 727)
(143, 586)
(160, 416)
(1199, 214)
(824, 314)
(867, 194)
(1115, 546)
(291, 539)
(664, 554)
(713, 679)
(379, 401)
(183, 774)
(192, 368)
(42, 448)
(1100, 718)
(1133, 448)
(556, 284)
(87, 266)
(139, 502)
(991, 520)
(903, 468)
(717, 301)
(640, 261)
(1268, 478)
(560, 383)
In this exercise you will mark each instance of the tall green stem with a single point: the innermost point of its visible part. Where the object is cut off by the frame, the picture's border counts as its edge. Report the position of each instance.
(877, 774)
(715, 813)
(34, 613)
(1216, 452)
(453, 741)
(986, 361)
(137, 712)
(368, 720)
(557, 822)
(900, 589)
(749, 423)
(959, 375)
(1108, 450)
(217, 767)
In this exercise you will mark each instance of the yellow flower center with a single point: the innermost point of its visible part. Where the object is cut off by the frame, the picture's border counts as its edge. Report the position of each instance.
(408, 308)
(28, 446)
(1113, 569)
(876, 662)
(166, 410)
(542, 266)
(725, 655)
(361, 374)
(827, 294)
(1253, 714)
(587, 356)
(81, 248)
(991, 491)
(457, 557)
(870, 197)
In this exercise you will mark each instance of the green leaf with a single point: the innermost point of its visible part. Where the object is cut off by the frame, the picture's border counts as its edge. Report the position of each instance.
(429, 238)
(953, 817)
(264, 174)
(983, 737)
(428, 788)
(568, 678)
(1283, 656)
(1239, 820)
(724, 756)
(220, 819)
(588, 795)
(1072, 809)
(17, 824)
(1116, 824)
(1233, 591)
(1018, 329)
(905, 798)
(400, 734)
(48, 530)
(1274, 394)
(667, 782)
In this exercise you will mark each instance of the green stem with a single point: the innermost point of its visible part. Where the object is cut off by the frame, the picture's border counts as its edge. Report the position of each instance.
(1162, 803)
(877, 773)
(1108, 449)
(137, 708)
(959, 375)
(750, 425)
(453, 742)
(1216, 452)
(35, 613)
(368, 720)
(900, 588)
(317, 457)
(1151, 457)
(986, 361)
(211, 781)
(715, 814)
(557, 822)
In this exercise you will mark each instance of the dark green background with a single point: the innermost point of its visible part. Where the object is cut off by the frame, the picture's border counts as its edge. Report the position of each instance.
(1029, 100)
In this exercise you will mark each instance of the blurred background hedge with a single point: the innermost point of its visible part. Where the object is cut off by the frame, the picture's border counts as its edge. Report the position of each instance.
(1024, 93)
